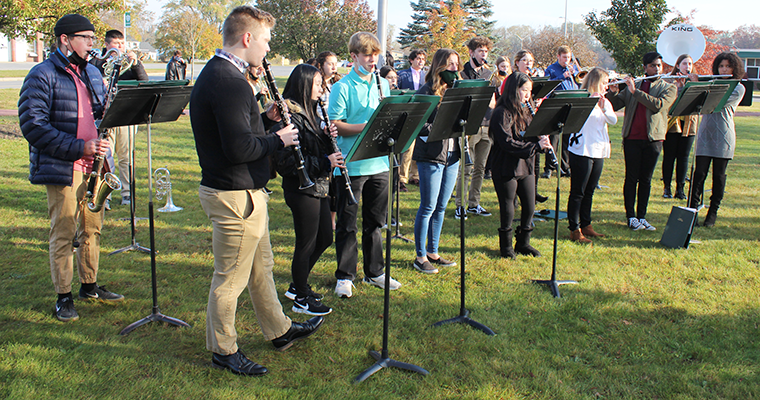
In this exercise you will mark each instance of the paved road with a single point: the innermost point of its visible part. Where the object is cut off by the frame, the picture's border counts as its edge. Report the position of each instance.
(15, 83)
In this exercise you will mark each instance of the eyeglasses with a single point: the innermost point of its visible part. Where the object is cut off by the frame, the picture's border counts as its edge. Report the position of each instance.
(91, 38)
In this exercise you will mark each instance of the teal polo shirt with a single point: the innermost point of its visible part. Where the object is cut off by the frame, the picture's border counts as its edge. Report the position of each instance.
(353, 100)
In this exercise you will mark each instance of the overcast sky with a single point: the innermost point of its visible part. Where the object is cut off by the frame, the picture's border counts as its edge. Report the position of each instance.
(552, 12)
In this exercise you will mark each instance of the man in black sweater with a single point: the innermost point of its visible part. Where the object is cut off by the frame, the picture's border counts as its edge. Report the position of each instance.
(233, 148)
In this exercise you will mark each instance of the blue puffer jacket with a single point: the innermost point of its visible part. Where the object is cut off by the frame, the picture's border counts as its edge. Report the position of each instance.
(47, 109)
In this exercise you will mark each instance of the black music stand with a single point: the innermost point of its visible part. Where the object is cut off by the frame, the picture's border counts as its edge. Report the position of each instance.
(398, 119)
(553, 117)
(397, 188)
(461, 111)
(146, 105)
(542, 87)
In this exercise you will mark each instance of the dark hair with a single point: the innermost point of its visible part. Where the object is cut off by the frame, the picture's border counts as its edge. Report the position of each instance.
(510, 99)
(676, 69)
(478, 42)
(650, 57)
(177, 53)
(320, 63)
(385, 70)
(416, 53)
(736, 64)
(298, 90)
(113, 34)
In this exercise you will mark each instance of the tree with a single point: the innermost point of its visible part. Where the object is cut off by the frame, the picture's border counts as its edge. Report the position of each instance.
(184, 28)
(307, 27)
(448, 29)
(142, 29)
(476, 14)
(548, 39)
(27, 17)
(747, 37)
(628, 30)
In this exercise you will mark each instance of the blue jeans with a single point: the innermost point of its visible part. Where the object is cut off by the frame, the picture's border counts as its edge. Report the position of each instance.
(437, 182)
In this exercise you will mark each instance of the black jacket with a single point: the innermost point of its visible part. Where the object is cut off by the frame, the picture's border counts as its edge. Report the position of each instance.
(230, 132)
(512, 155)
(175, 69)
(315, 147)
(432, 152)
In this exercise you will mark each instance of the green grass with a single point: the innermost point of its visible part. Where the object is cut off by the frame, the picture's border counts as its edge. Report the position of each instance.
(13, 73)
(644, 322)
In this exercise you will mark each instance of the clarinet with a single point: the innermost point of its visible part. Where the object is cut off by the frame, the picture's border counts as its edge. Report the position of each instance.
(553, 157)
(303, 177)
(336, 149)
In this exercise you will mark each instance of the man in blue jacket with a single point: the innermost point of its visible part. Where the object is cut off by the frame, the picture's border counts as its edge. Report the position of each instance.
(59, 102)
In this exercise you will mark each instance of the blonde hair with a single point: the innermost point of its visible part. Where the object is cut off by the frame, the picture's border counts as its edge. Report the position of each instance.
(595, 79)
(363, 43)
(243, 19)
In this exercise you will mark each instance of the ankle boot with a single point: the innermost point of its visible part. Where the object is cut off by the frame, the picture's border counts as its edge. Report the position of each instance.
(522, 244)
(505, 243)
(667, 193)
(680, 195)
(712, 215)
(588, 231)
(577, 236)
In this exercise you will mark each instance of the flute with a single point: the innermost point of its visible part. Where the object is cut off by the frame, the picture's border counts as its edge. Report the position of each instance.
(336, 149)
(553, 157)
(303, 177)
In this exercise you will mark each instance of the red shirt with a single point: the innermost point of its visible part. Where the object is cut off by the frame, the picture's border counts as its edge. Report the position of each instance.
(86, 129)
(639, 123)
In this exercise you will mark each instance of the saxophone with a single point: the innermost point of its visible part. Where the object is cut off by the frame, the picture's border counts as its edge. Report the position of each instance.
(108, 181)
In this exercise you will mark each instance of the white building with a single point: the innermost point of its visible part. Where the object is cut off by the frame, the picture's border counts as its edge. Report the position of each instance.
(19, 50)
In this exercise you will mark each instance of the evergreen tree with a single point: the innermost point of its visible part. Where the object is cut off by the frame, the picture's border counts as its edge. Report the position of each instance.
(477, 23)
(419, 27)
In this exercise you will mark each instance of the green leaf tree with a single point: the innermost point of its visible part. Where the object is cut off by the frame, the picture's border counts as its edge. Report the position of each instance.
(308, 27)
(142, 29)
(628, 30)
(27, 17)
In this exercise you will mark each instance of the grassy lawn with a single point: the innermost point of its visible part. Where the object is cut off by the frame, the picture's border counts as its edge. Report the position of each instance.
(644, 322)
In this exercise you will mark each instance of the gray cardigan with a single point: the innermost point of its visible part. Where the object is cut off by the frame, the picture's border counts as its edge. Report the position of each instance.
(717, 136)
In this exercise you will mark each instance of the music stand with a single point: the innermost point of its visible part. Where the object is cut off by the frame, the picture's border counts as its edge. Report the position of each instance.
(145, 105)
(398, 119)
(542, 87)
(460, 113)
(132, 204)
(553, 117)
(701, 98)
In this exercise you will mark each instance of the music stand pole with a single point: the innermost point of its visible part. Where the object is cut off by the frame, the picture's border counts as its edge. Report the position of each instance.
(155, 315)
(556, 115)
(132, 205)
(466, 106)
(398, 234)
(383, 360)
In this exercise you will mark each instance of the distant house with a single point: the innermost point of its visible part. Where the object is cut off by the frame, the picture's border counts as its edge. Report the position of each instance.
(146, 51)
(19, 50)
(751, 58)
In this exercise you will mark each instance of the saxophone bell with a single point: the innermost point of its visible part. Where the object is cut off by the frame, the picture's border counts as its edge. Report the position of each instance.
(109, 183)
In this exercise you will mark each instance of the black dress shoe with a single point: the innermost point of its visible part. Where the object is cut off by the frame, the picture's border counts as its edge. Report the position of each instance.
(541, 199)
(297, 331)
(238, 363)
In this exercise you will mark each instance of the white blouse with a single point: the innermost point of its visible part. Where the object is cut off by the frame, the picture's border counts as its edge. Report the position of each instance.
(593, 141)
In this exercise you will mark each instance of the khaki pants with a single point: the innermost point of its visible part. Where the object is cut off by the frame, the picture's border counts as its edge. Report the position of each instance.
(480, 146)
(242, 257)
(66, 209)
(408, 167)
(120, 142)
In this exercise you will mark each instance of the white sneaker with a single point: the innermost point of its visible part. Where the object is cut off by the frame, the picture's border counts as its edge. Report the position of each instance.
(379, 281)
(343, 288)
(646, 225)
(634, 224)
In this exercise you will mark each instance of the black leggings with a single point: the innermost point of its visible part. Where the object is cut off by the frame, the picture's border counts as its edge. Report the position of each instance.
(523, 187)
(675, 150)
(719, 181)
(313, 228)
(583, 181)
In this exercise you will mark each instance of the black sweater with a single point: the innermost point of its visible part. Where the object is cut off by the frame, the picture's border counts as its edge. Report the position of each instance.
(230, 133)
(512, 154)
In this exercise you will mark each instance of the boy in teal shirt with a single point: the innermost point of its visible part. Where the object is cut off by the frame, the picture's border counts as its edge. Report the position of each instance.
(353, 100)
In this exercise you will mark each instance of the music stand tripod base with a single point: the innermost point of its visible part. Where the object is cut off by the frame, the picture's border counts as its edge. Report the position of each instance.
(553, 285)
(464, 318)
(133, 246)
(156, 316)
(385, 362)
